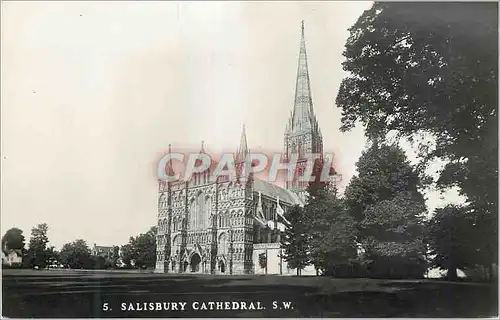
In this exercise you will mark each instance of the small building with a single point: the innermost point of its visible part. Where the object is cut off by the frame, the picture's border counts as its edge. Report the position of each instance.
(103, 251)
(12, 258)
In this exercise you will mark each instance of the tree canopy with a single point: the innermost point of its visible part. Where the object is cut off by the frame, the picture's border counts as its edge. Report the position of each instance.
(331, 232)
(294, 240)
(13, 239)
(76, 255)
(37, 252)
(141, 250)
(431, 68)
(446, 233)
(383, 173)
(385, 200)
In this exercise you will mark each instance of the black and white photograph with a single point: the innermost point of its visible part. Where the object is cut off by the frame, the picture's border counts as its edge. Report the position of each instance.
(234, 159)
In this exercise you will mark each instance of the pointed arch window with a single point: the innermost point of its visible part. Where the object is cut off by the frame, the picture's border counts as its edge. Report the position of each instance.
(208, 212)
(192, 213)
(223, 244)
(198, 214)
(162, 202)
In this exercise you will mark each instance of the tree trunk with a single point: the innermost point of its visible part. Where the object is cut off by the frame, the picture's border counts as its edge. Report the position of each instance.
(452, 274)
(298, 270)
(490, 272)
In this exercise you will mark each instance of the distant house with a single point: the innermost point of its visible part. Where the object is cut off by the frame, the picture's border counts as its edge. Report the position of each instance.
(102, 251)
(12, 258)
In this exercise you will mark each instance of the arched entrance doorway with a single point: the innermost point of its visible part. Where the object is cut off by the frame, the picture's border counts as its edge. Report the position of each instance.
(195, 262)
(222, 266)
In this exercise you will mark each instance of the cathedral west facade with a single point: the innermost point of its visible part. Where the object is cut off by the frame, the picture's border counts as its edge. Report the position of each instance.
(212, 227)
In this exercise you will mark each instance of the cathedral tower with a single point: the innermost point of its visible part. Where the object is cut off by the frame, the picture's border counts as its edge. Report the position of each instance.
(302, 134)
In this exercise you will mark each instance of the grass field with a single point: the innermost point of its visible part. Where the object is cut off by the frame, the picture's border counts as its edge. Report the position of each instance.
(82, 294)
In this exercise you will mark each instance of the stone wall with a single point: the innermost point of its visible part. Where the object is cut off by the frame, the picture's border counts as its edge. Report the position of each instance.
(275, 265)
(273, 258)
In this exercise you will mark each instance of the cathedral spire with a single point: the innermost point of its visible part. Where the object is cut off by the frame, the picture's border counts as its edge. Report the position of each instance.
(243, 148)
(302, 118)
(302, 135)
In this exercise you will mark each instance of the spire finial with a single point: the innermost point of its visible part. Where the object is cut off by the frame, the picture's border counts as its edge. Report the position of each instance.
(169, 169)
(302, 26)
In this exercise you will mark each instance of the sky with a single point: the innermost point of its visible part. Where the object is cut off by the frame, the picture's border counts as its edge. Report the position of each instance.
(94, 92)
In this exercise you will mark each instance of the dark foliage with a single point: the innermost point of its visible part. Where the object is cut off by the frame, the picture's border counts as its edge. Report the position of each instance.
(385, 200)
(431, 68)
(141, 250)
(38, 253)
(13, 239)
(76, 255)
(294, 240)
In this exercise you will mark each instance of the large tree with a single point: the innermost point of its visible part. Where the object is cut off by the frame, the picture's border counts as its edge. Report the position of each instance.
(141, 250)
(37, 252)
(145, 244)
(393, 236)
(127, 253)
(13, 239)
(115, 256)
(385, 200)
(331, 232)
(431, 68)
(338, 246)
(383, 172)
(294, 240)
(446, 232)
(76, 255)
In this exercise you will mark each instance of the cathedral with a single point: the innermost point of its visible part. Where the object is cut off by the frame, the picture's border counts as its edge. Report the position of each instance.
(220, 227)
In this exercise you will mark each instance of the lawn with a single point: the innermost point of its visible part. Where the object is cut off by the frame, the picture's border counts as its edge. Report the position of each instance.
(85, 294)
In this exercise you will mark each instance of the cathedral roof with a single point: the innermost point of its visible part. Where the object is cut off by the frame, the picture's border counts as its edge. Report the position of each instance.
(274, 191)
